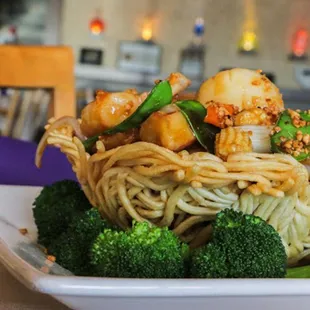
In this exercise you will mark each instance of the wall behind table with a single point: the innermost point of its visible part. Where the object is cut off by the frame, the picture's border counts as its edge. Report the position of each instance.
(276, 22)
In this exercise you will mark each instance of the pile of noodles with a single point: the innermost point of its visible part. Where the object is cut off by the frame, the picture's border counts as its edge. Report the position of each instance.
(184, 191)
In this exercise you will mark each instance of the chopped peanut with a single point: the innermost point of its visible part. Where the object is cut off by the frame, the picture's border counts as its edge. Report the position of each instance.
(296, 120)
(298, 146)
(23, 231)
(51, 258)
(306, 139)
(254, 116)
(299, 136)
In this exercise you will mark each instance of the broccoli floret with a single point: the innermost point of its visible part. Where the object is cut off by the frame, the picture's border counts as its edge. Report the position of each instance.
(55, 207)
(51, 193)
(71, 248)
(209, 262)
(109, 256)
(228, 219)
(242, 246)
(142, 252)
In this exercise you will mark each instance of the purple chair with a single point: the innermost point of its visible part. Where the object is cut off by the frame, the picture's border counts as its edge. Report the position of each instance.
(17, 164)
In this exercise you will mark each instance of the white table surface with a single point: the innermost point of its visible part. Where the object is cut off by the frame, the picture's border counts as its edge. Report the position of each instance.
(15, 296)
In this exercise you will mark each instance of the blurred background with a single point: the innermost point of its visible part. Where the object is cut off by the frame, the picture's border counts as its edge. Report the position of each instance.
(122, 44)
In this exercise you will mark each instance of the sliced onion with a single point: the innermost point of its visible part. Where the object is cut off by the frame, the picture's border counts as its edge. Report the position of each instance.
(260, 137)
(306, 163)
(261, 146)
(257, 129)
(66, 120)
(308, 168)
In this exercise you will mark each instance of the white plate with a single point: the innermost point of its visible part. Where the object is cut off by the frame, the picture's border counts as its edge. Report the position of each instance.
(22, 258)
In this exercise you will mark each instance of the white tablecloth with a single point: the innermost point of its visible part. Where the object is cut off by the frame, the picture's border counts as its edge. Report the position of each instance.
(15, 296)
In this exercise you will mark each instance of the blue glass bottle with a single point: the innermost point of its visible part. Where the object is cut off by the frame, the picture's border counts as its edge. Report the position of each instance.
(199, 30)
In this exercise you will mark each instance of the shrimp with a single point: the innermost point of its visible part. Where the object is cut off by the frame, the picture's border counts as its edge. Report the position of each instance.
(178, 82)
(110, 109)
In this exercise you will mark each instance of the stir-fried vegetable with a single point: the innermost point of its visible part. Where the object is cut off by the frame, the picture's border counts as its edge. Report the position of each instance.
(71, 248)
(141, 252)
(55, 207)
(292, 135)
(232, 140)
(160, 96)
(242, 246)
(302, 272)
(217, 113)
(195, 113)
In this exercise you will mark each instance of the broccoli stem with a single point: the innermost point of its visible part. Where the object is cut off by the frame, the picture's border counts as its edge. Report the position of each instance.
(298, 272)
